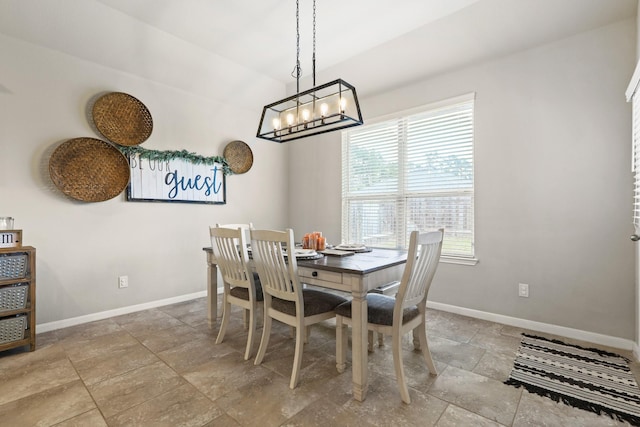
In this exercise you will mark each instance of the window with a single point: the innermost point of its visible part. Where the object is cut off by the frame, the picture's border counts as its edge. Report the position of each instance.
(635, 123)
(412, 172)
(634, 98)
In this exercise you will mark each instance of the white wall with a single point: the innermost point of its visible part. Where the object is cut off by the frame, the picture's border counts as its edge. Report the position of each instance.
(83, 247)
(553, 182)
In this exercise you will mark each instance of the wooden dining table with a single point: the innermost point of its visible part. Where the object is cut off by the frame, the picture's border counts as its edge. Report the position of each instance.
(356, 274)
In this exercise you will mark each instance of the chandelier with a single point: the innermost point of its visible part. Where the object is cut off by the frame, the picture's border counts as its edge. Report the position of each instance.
(321, 109)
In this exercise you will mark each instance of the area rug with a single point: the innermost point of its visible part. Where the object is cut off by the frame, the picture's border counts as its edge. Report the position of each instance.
(586, 378)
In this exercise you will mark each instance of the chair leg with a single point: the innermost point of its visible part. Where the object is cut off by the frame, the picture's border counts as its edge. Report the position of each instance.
(341, 344)
(416, 339)
(424, 346)
(297, 358)
(380, 339)
(397, 363)
(307, 334)
(245, 318)
(252, 332)
(226, 310)
(264, 341)
(370, 341)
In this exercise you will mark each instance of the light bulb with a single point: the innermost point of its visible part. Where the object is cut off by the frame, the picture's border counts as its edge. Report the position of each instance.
(290, 119)
(323, 109)
(343, 104)
(305, 115)
(276, 123)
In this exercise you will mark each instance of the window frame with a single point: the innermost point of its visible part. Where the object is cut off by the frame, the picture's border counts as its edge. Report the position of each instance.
(633, 97)
(403, 194)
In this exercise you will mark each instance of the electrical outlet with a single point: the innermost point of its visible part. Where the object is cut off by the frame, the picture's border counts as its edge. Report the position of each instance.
(523, 290)
(123, 281)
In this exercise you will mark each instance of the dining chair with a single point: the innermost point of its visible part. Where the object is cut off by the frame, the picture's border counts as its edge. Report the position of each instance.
(241, 286)
(245, 227)
(406, 312)
(285, 299)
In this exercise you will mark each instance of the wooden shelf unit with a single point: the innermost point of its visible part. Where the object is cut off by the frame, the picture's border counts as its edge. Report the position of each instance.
(30, 309)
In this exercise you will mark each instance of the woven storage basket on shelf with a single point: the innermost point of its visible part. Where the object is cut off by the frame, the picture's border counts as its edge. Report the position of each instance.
(239, 156)
(89, 169)
(13, 297)
(12, 328)
(122, 119)
(13, 266)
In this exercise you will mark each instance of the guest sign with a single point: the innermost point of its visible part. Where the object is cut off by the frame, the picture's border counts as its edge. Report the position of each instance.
(175, 180)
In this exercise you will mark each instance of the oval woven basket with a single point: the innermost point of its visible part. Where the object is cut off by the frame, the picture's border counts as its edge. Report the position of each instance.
(89, 169)
(239, 156)
(122, 119)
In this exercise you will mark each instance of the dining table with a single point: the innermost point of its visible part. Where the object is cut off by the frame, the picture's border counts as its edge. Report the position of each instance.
(356, 274)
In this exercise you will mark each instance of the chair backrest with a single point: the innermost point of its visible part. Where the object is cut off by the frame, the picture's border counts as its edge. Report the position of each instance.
(239, 225)
(230, 249)
(274, 257)
(422, 262)
(245, 226)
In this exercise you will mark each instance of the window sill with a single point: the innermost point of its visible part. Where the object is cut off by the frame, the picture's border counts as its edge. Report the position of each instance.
(459, 260)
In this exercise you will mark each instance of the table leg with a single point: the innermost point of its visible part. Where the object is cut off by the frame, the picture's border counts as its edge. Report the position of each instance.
(212, 294)
(359, 345)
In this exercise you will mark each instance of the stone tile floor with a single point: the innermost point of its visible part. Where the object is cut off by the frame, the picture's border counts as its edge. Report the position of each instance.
(161, 367)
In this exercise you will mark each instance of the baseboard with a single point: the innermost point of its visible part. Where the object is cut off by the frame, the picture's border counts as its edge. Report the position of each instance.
(59, 324)
(592, 337)
(578, 334)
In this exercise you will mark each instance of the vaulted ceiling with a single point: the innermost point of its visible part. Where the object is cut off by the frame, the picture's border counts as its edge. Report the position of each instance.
(382, 42)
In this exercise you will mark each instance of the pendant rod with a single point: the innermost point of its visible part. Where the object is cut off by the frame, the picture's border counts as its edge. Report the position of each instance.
(313, 60)
(297, 69)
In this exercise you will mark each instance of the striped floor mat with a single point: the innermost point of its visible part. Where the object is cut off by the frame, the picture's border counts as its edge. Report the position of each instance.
(589, 379)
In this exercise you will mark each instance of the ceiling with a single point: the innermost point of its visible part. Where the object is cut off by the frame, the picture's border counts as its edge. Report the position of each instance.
(381, 42)
(261, 34)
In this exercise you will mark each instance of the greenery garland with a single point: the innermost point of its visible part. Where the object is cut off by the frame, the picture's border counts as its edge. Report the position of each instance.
(172, 155)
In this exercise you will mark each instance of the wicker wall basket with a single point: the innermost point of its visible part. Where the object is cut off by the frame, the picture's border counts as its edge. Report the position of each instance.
(239, 156)
(89, 169)
(122, 119)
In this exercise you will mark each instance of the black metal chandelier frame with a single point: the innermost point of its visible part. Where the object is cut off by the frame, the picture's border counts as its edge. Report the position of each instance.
(321, 109)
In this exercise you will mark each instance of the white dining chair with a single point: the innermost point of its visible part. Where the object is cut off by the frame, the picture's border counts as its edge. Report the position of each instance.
(246, 226)
(241, 286)
(406, 312)
(285, 300)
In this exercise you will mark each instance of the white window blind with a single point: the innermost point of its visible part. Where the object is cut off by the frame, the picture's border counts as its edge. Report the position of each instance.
(413, 172)
(636, 159)
(633, 97)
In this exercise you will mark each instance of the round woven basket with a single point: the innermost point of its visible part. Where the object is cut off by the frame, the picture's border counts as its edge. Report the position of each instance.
(239, 156)
(122, 119)
(89, 169)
